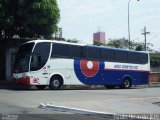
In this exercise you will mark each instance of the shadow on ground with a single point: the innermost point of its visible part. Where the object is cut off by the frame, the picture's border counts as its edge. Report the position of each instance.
(10, 86)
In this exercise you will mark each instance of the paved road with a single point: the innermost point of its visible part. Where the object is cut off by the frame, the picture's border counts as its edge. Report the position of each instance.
(116, 101)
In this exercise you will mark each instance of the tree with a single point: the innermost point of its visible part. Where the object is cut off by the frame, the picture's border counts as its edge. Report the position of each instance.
(123, 43)
(139, 48)
(72, 40)
(118, 43)
(28, 18)
(97, 43)
(155, 59)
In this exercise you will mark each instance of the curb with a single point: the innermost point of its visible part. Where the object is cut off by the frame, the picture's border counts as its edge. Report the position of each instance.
(108, 116)
(103, 115)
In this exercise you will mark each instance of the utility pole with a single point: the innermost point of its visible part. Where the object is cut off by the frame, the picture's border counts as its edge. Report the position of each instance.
(145, 38)
(129, 36)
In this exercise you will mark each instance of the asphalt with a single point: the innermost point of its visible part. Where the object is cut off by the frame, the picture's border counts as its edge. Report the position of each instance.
(143, 102)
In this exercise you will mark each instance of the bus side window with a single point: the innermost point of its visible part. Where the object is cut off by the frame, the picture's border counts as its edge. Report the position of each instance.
(75, 51)
(121, 56)
(144, 58)
(108, 55)
(93, 53)
(133, 57)
(34, 62)
(83, 52)
(60, 50)
(40, 56)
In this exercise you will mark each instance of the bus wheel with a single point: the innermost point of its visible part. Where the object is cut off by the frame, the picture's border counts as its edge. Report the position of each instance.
(126, 83)
(55, 83)
(109, 86)
(40, 87)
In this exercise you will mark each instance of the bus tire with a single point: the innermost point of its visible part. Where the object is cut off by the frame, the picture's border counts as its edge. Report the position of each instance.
(40, 87)
(127, 83)
(109, 86)
(55, 83)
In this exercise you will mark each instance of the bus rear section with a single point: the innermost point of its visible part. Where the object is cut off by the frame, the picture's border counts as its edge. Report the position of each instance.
(113, 67)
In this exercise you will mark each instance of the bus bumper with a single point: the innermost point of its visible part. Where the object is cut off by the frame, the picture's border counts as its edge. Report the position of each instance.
(21, 81)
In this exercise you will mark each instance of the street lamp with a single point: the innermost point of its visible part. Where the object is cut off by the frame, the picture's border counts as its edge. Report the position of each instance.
(129, 39)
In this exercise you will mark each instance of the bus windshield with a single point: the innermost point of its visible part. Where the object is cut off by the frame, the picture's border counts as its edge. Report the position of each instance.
(23, 58)
(39, 56)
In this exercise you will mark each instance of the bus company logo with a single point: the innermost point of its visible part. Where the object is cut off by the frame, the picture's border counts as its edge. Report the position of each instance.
(89, 72)
(35, 80)
(89, 68)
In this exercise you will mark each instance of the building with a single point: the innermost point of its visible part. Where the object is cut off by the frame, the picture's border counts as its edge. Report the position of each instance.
(99, 37)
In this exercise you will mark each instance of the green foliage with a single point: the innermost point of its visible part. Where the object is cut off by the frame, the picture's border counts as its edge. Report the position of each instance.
(97, 43)
(155, 59)
(72, 40)
(28, 18)
(123, 43)
(139, 48)
(118, 43)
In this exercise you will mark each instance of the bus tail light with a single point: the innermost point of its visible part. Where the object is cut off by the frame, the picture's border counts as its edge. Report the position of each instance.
(22, 81)
(26, 80)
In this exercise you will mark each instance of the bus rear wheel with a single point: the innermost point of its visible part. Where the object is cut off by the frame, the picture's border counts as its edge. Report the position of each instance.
(55, 83)
(126, 83)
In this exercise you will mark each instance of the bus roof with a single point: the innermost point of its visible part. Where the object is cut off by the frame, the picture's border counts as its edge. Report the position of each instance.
(55, 41)
(111, 48)
(87, 45)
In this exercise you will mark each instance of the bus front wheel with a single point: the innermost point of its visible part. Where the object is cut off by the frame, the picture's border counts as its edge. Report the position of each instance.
(55, 83)
(126, 83)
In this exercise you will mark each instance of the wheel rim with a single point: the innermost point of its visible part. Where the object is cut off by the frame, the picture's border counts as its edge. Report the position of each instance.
(126, 83)
(56, 83)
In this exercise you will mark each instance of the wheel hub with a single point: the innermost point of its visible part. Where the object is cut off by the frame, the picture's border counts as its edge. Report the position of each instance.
(56, 83)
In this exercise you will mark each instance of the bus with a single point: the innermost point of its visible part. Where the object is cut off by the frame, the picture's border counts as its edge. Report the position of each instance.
(52, 63)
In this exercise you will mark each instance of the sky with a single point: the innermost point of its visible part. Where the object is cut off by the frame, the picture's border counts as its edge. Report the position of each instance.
(81, 18)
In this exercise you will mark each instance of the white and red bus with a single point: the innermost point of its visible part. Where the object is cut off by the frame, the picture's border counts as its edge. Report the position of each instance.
(53, 63)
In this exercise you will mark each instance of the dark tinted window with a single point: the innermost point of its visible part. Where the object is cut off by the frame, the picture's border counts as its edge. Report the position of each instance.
(42, 49)
(23, 57)
(108, 55)
(93, 53)
(60, 50)
(121, 56)
(83, 52)
(40, 56)
(133, 57)
(75, 51)
(143, 58)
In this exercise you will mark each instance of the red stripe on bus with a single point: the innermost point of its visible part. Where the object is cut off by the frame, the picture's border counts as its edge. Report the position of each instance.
(128, 70)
